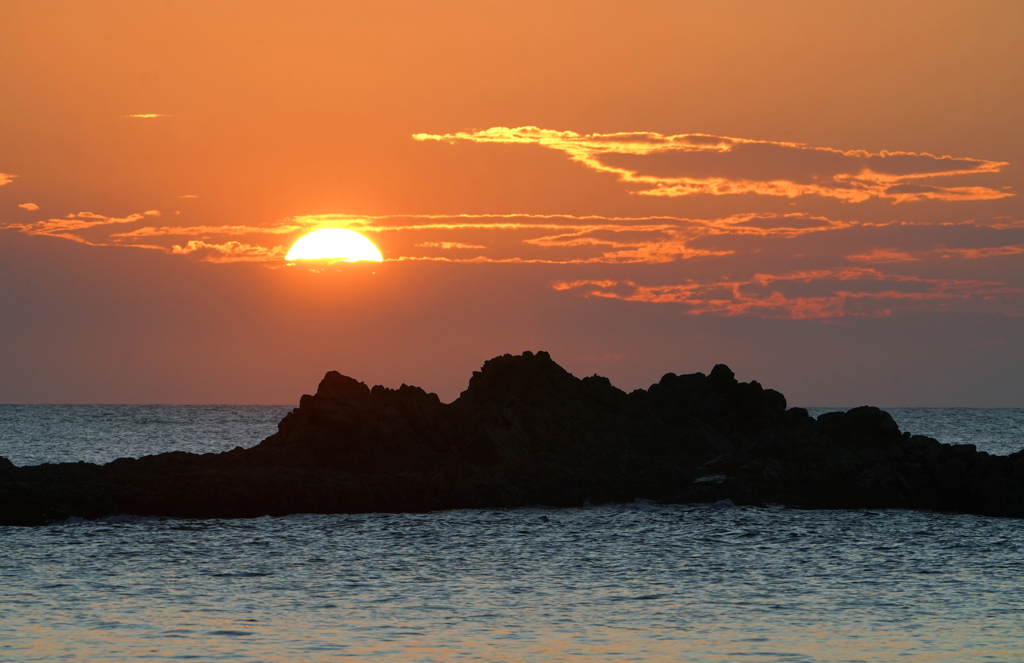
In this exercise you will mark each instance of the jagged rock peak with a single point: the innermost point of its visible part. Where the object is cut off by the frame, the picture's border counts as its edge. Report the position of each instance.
(338, 387)
(341, 390)
(721, 377)
(529, 377)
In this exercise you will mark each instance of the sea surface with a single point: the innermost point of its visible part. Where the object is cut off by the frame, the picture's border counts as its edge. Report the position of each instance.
(630, 582)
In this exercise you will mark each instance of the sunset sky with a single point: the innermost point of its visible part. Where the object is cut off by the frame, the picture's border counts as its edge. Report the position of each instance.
(825, 196)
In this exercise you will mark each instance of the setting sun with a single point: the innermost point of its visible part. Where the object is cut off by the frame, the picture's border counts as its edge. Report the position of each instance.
(334, 244)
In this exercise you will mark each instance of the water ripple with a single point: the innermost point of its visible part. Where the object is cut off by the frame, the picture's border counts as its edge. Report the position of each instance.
(600, 583)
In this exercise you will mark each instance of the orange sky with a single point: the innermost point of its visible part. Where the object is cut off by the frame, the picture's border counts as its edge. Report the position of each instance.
(825, 196)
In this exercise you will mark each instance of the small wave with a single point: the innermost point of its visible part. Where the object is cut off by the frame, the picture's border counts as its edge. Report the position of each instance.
(229, 633)
(643, 597)
(124, 518)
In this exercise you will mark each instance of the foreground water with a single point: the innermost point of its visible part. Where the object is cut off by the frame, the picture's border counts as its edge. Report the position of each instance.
(606, 583)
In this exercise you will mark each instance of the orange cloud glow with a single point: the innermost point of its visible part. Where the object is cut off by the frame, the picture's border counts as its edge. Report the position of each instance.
(448, 246)
(207, 231)
(6, 178)
(73, 226)
(839, 292)
(230, 251)
(985, 252)
(31, 207)
(690, 164)
(883, 255)
(742, 264)
(500, 238)
(98, 230)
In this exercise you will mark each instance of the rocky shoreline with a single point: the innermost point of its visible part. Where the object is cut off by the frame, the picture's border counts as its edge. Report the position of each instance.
(526, 432)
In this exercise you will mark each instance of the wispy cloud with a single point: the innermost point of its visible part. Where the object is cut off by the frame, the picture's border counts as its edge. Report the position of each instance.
(230, 251)
(100, 230)
(759, 264)
(74, 226)
(810, 294)
(211, 231)
(883, 255)
(146, 116)
(555, 238)
(448, 246)
(6, 178)
(982, 252)
(688, 164)
(963, 253)
(547, 238)
(31, 207)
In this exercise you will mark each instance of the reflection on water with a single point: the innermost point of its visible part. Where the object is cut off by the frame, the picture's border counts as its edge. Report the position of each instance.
(603, 583)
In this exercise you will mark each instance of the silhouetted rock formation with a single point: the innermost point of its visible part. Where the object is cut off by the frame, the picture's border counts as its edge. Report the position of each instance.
(527, 432)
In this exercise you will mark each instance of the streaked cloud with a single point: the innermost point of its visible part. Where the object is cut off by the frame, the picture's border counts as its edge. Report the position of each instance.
(146, 116)
(792, 265)
(654, 164)
(31, 207)
(835, 293)
(448, 246)
(963, 253)
(553, 238)
(75, 226)
(6, 178)
(210, 231)
(883, 255)
(230, 251)
(983, 252)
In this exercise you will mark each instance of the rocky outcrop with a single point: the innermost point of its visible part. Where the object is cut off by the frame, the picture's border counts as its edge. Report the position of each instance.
(525, 432)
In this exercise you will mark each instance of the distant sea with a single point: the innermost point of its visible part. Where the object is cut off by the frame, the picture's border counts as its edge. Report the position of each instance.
(636, 581)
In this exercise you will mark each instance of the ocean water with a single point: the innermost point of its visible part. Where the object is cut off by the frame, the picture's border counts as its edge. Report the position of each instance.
(35, 434)
(606, 583)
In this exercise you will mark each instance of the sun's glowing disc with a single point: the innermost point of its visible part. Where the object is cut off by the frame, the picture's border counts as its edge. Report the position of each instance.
(334, 244)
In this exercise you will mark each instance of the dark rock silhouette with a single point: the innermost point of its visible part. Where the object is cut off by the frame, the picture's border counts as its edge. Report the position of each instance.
(527, 432)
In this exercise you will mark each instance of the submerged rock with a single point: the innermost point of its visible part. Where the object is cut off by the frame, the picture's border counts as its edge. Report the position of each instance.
(525, 432)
